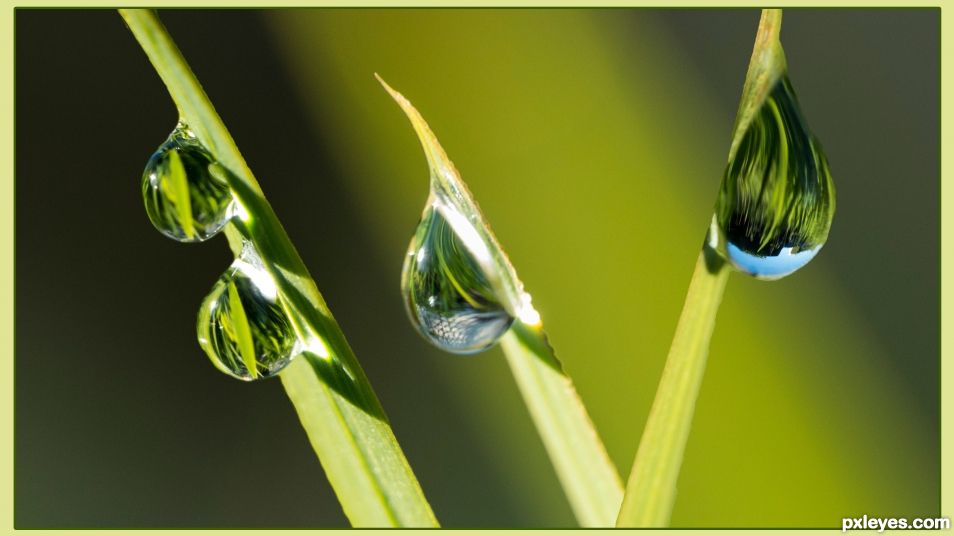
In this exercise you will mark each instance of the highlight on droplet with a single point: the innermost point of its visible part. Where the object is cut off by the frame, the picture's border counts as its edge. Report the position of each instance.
(447, 293)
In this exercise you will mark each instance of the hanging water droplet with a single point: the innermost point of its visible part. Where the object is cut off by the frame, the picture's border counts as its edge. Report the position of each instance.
(242, 326)
(460, 290)
(777, 198)
(185, 191)
(447, 293)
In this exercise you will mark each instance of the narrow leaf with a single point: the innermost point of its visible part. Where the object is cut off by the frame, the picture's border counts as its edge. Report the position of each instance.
(651, 489)
(337, 407)
(589, 478)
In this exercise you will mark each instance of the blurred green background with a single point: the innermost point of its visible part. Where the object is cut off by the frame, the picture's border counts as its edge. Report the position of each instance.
(594, 141)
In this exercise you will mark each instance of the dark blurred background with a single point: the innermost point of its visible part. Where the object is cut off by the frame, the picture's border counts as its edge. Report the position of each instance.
(594, 141)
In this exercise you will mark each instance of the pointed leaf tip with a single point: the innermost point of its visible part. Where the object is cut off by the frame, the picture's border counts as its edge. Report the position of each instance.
(446, 180)
(436, 157)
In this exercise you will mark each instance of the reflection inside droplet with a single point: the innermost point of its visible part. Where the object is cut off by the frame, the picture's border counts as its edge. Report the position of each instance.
(242, 326)
(780, 265)
(447, 293)
(777, 198)
(184, 190)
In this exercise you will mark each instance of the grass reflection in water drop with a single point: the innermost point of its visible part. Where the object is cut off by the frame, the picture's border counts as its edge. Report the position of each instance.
(242, 326)
(447, 293)
(777, 198)
(186, 197)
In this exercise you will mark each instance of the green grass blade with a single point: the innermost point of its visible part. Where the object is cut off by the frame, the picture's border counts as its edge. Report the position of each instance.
(340, 413)
(651, 489)
(589, 478)
(585, 470)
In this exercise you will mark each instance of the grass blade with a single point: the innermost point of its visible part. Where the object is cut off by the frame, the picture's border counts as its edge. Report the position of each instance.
(588, 476)
(338, 409)
(651, 490)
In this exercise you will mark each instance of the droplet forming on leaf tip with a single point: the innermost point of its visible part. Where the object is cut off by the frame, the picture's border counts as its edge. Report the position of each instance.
(184, 189)
(460, 289)
(242, 325)
(447, 293)
(777, 199)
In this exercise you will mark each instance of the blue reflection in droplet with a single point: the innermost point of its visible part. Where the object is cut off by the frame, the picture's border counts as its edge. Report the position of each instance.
(771, 267)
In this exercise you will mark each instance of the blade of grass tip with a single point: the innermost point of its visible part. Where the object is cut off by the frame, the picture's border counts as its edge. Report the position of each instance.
(651, 490)
(338, 409)
(588, 476)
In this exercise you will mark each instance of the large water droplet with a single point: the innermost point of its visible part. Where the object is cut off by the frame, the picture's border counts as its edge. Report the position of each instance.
(242, 326)
(186, 195)
(777, 199)
(448, 296)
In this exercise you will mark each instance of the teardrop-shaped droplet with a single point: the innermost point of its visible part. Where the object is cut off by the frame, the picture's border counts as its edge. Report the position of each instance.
(242, 325)
(777, 199)
(186, 195)
(460, 290)
(447, 293)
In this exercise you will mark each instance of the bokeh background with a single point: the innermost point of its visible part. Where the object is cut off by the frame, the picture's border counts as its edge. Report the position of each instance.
(594, 141)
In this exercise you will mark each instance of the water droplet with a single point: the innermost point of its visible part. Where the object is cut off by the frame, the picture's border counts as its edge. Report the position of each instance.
(447, 293)
(185, 191)
(242, 326)
(777, 199)
(460, 289)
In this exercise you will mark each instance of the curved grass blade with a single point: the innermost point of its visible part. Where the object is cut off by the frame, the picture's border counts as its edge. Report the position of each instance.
(338, 409)
(651, 489)
(589, 478)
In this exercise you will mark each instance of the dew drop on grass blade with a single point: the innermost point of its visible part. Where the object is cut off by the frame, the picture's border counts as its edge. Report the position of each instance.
(777, 199)
(242, 325)
(185, 194)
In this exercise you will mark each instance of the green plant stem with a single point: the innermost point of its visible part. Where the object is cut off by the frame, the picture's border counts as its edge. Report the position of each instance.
(587, 474)
(338, 409)
(651, 490)
(589, 478)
